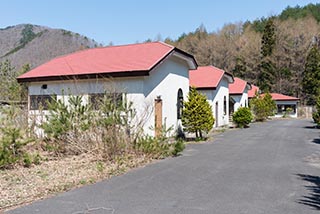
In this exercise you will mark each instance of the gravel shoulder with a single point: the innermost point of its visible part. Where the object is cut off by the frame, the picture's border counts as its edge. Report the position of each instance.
(21, 185)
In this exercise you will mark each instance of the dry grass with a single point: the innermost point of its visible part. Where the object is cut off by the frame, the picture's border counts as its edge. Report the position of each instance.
(23, 185)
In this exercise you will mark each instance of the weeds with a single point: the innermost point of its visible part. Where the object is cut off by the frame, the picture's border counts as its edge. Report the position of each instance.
(12, 139)
(78, 128)
(100, 167)
(82, 145)
(27, 161)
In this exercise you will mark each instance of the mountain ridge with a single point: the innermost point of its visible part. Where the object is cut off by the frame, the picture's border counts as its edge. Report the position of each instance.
(34, 44)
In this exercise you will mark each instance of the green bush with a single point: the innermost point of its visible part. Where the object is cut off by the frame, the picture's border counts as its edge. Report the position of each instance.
(158, 147)
(197, 114)
(12, 139)
(287, 112)
(64, 118)
(10, 146)
(316, 114)
(27, 160)
(242, 117)
(37, 159)
(263, 107)
(179, 146)
(105, 127)
(316, 118)
(152, 146)
(66, 125)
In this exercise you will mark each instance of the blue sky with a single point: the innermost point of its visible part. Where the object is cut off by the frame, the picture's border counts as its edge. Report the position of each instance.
(130, 21)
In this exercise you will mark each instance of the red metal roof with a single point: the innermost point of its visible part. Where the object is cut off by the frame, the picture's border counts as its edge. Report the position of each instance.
(252, 91)
(238, 86)
(107, 60)
(205, 77)
(282, 97)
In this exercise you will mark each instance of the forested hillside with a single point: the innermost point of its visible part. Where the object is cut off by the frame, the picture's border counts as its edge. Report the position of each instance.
(269, 52)
(34, 45)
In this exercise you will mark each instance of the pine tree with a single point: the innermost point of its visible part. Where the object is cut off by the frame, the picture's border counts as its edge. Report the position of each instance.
(267, 69)
(268, 40)
(10, 89)
(311, 76)
(240, 68)
(197, 114)
(263, 106)
(316, 114)
(266, 77)
(270, 104)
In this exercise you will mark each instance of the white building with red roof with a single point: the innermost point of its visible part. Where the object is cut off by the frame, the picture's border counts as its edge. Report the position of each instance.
(238, 91)
(286, 105)
(214, 83)
(154, 76)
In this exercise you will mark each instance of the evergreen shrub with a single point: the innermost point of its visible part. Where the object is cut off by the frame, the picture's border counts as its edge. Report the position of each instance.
(242, 117)
(197, 114)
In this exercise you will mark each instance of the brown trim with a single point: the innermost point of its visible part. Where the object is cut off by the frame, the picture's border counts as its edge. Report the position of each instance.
(188, 55)
(170, 52)
(236, 94)
(161, 60)
(158, 116)
(85, 76)
(229, 74)
(206, 88)
(288, 100)
(250, 85)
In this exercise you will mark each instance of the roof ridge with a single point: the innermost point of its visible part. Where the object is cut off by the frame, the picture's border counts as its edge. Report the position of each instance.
(163, 43)
(241, 79)
(211, 66)
(63, 56)
(281, 94)
(113, 46)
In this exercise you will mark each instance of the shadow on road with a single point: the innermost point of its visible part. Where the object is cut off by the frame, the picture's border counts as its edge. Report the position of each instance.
(310, 127)
(313, 198)
(316, 141)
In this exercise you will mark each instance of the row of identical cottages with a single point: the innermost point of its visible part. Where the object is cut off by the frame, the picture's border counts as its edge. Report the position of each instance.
(154, 76)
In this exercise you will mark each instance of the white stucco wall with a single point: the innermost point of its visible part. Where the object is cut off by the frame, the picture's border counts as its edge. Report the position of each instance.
(217, 96)
(240, 100)
(165, 81)
(133, 87)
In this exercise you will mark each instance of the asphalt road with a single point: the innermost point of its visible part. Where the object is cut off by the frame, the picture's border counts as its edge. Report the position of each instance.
(263, 169)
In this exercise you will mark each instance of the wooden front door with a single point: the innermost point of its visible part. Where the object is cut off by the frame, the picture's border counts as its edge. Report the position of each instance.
(158, 117)
(216, 114)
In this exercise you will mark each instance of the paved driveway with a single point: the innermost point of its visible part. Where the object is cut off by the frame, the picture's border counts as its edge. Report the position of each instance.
(263, 169)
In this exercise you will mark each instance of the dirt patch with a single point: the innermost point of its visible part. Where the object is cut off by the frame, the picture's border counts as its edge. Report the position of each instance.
(23, 185)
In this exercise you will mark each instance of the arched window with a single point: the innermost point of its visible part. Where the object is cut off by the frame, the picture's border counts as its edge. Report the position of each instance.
(179, 103)
(225, 105)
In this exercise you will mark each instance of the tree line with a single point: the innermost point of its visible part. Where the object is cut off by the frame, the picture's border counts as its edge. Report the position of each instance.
(278, 53)
(10, 89)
